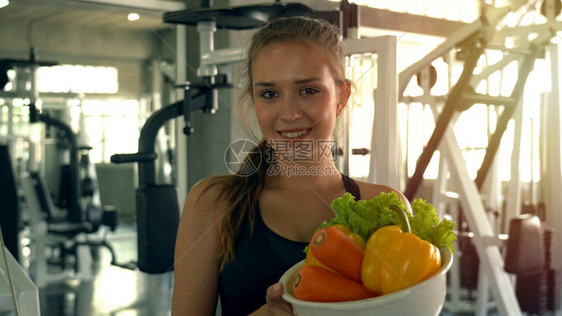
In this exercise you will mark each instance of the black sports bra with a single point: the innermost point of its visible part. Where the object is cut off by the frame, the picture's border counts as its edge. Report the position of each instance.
(261, 257)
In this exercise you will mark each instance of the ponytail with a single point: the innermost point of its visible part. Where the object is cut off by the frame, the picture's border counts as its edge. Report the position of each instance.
(241, 192)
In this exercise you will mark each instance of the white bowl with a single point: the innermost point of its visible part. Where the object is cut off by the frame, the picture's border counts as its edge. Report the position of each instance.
(425, 298)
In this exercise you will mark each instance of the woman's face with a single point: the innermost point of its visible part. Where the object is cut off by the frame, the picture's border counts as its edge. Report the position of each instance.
(295, 94)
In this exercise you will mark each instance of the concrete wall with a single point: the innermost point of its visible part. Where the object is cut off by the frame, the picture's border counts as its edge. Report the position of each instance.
(126, 50)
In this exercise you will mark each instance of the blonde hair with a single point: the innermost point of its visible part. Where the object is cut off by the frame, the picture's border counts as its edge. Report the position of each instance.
(242, 191)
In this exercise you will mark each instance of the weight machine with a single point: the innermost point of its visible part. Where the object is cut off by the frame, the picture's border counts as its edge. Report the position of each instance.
(77, 195)
(471, 41)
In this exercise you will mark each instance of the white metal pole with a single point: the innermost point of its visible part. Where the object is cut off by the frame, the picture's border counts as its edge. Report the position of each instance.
(384, 140)
(553, 174)
(489, 253)
(206, 30)
(513, 196)
(181, 138)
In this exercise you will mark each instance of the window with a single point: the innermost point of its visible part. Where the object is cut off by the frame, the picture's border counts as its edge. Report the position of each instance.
(112, 127)
(416, 121)
(77, 79)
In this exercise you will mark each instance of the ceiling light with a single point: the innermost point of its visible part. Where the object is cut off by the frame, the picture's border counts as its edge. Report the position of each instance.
(131, 17)
(4, 3)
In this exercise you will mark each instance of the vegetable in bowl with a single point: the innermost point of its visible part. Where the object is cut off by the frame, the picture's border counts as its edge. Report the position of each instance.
(377, 243)
(364, 217)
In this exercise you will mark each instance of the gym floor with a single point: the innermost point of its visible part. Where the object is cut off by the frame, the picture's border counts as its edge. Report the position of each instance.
(115, 291)
(112, 290)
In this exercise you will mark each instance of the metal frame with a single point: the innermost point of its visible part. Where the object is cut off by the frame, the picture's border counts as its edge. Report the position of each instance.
(384, 164)
(488, 251)
(156, 5)
(485, 238)
(553, 169)
(181, 139)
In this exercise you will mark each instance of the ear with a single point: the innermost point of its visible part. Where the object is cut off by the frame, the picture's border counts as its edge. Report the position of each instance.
(343, 97)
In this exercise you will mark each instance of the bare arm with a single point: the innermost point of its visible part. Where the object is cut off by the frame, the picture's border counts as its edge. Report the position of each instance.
(197, 254)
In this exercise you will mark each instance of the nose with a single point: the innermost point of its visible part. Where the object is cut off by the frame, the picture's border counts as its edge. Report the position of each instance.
(289, 109)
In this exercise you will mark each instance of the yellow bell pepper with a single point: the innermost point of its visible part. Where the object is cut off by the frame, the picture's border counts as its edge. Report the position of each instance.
(396, 259)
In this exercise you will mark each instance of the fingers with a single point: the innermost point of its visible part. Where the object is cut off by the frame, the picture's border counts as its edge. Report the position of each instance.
(275, 302)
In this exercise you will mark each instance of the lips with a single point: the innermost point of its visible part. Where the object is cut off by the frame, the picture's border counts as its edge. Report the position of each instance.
(294, 134)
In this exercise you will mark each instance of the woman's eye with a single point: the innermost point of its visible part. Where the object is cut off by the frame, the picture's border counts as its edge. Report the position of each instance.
(268, 94)
(308, 91)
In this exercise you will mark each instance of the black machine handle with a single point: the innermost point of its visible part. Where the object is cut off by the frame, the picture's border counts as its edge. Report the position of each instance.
(205, 99)
(138, 157)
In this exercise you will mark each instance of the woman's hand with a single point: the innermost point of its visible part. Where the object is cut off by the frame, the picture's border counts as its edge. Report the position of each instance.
(276, 305)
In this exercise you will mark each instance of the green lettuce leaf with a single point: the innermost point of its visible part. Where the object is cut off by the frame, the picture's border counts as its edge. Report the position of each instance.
(364, 217)
(425, 224)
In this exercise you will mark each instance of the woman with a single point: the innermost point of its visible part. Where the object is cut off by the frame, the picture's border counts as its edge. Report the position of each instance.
(239, 233)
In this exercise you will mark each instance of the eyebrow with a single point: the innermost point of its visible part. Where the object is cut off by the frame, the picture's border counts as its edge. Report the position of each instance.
(300, 81)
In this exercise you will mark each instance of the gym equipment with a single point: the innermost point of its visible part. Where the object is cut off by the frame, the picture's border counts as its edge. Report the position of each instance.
(524, 252)
(79, 230)
(23, 68)
(553, 275)
(237, 18)
(157, 206)
(77, 186)
(525, 258)
(72, 239)
(472, 38)
(48, 231)
(529, 253)
(70, 187)
(17, 291)
(69, 196)
(9, 203)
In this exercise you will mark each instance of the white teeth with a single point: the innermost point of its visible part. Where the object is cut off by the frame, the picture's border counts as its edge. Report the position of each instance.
(294, 134)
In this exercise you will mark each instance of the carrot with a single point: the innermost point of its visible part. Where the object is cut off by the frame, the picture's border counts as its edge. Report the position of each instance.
(353, 236)
(312, 261)
(337, 251)
(312, 283)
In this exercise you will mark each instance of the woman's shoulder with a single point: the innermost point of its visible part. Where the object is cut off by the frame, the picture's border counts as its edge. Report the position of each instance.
(209, 193)
(371, 190)
(209, 187)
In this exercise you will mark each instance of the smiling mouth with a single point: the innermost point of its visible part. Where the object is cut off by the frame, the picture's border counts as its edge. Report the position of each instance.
(293, 135)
